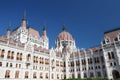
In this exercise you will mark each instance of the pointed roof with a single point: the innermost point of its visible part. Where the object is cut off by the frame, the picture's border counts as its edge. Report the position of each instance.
(44, 27)
(23, 24)
(24, 16)
(44, 31)
(8, 29)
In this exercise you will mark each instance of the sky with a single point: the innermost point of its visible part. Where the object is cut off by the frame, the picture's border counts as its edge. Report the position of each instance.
(85, 20)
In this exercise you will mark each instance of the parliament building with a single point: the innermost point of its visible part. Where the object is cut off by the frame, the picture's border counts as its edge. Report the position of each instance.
(25, 55)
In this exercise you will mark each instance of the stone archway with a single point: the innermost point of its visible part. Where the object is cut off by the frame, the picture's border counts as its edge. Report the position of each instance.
(115, 74)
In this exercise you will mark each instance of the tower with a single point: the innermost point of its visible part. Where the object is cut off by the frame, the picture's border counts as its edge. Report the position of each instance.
(23, 31)
(45, 38)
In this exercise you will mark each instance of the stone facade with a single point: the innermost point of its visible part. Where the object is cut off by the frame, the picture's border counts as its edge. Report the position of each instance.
(25, 55)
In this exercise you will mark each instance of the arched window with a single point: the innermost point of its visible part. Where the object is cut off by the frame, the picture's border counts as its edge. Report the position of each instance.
(78, 62)
(109, 57)
(17, 56)
(36, 59)
(114, 63)
(57, 76)
(65, 65)
(26, 74)
(2, 53)
(91, 74)
(34, 75)
(20, 56)
(85, 75)
(112, 55)
(10, 64)
(0, 63)
(7, 74)
(98, 60)
(84, 62)
(6, 64)
(47, 75)
(19, 65)
(98, 74)
(8, 55)
(90, 60)
(79, 75)
(40, 60)
(16, 65)
(41, 75)
(52, 76)
(102, 59)
(17, 74)
(12, 55)
(28, 57)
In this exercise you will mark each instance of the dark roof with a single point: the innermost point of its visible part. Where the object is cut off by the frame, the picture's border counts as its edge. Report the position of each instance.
(112, 30)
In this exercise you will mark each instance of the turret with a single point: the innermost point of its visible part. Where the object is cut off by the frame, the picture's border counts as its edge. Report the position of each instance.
(45, 38)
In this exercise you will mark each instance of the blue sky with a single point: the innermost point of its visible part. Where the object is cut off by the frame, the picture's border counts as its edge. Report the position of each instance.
(86, 20)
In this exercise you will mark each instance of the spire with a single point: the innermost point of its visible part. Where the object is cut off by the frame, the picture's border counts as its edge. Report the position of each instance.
(8, 31)
(23, 24)
(24, 16)
(44, 27)
(44, 30)
(64, 28)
